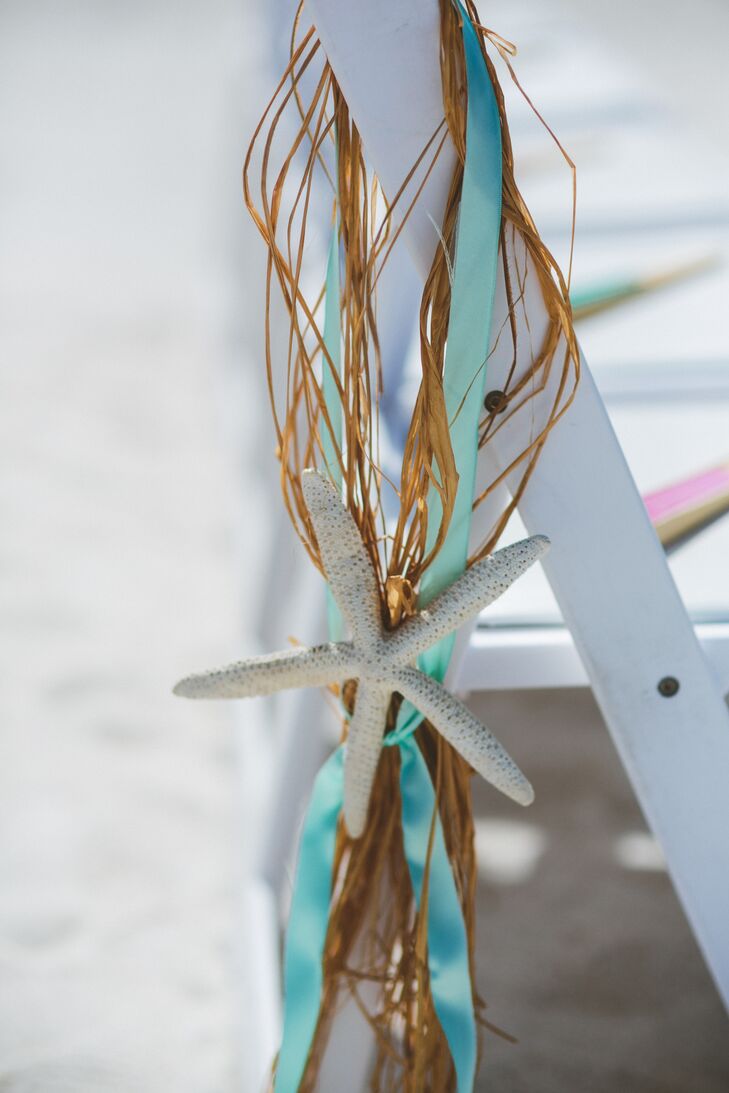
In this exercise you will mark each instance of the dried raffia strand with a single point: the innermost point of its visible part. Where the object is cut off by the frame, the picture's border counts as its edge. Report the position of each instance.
(375, 936)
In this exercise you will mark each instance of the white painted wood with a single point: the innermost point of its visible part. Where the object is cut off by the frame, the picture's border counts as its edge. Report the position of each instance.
(511, 658)
(257, 941)
(606, 568)
(257, 955)
(397, 40)
(349, 1053)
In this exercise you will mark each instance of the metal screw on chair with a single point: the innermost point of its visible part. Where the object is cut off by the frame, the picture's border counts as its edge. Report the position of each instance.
(495, 402)
(668, 686)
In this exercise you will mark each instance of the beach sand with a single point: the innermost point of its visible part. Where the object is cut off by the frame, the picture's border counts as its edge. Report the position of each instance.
(120, 570)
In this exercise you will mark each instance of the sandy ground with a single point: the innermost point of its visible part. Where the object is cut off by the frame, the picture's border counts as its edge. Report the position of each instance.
(124, 378)
(121, 132)
(584, 953)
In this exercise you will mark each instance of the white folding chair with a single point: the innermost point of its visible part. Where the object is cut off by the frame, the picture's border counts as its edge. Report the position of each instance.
(626, 630)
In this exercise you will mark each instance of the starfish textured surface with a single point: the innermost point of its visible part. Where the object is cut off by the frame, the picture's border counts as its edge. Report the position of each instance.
(382, 663)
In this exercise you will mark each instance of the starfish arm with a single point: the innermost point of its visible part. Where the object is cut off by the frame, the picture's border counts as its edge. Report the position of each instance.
(465, 733)
(274, 672)
(475, 589)
(346, 561)
(362, 753)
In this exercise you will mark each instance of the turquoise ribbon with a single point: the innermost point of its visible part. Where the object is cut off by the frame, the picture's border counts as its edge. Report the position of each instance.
(308, 922)
(476, 253)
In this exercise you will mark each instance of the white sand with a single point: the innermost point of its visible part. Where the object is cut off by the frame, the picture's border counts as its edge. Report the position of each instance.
(121, 128)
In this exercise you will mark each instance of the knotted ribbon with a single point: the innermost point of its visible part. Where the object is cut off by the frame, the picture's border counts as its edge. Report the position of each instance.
(472, 294)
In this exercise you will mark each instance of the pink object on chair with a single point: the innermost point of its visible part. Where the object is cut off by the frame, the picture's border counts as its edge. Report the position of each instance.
(684, 508)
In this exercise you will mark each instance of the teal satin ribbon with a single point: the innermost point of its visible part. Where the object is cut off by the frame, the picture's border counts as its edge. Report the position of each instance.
(308, 922)
(477, 242)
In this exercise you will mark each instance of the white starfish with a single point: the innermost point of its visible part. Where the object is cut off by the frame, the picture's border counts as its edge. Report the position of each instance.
(382, 662)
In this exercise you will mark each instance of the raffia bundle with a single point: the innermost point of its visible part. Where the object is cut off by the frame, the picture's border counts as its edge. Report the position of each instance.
(375, 935)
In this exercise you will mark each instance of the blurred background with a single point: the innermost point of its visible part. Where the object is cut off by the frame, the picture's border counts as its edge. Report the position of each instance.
(138, 495)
